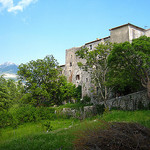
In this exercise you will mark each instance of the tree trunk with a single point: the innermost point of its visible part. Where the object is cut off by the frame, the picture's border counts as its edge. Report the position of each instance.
(105, 104)
(148, 89)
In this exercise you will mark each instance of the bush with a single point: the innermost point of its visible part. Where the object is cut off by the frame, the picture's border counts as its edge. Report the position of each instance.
(22, 114)
(5, 119)
(86, 99)
(45, 113)
(122, 136)
(100, 109)
(141, 106)
(19, 114)
(47, 126)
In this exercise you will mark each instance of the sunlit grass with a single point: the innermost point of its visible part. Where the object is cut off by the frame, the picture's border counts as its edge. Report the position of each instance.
(33, 128)
(142, 117)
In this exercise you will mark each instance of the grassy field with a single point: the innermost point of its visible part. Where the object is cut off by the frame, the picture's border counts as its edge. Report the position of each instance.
(32, 136)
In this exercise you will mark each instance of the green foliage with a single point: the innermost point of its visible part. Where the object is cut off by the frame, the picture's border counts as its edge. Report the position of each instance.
(100, 109)
(76, 106)
(20, 114)
(67, 90)
(5, 119)
(86, 99)
(10, 92)
(44, 84)
(129, 64)
(78, 93)
(96, 65)
(31, 136)
(47, 126)
(40, 77)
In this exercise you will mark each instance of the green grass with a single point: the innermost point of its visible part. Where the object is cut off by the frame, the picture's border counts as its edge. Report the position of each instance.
(141, 116)
(32, 137)
(28, 129)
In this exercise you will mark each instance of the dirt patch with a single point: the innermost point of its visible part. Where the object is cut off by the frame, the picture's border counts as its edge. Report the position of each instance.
(114, 136)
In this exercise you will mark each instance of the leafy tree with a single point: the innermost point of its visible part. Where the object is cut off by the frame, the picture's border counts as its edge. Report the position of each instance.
(10, 92)
(130, 63)
(96, 64)
(78, 93)
(43, 83)
(64, 90)
(4, 94)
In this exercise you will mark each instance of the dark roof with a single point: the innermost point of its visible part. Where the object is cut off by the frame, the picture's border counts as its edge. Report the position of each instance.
(97, 40)
(126, 25)
(147, 29)
(62, 66)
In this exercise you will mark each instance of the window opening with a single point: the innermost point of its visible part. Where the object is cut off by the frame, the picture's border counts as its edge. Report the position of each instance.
(70, 64)
(90, 46)
(77, 77)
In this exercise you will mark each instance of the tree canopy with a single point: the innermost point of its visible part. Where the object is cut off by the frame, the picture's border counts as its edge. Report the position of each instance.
(43, 83)
(96, 64)
(130, 62)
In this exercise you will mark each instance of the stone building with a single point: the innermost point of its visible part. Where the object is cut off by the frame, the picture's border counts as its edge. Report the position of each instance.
(74, 74)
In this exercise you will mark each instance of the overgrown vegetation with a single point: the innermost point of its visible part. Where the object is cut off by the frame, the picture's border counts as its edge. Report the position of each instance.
(64, 132)
(28, 119)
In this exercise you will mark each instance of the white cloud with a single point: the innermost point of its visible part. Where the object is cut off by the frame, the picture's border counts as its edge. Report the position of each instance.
(8, 75)
(9, 5)
(6, 4)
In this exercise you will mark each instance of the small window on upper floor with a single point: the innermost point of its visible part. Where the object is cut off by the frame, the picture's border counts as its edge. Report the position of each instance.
(90, 47)
(77, 77)
(70, 64)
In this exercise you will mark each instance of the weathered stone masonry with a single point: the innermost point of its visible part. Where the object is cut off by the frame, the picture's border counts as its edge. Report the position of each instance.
(74, 74)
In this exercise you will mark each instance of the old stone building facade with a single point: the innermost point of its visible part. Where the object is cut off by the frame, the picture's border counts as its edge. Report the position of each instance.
(74, 74)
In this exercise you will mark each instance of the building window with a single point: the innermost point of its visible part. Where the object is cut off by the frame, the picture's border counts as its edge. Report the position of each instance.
(77, 77)
(70, 64)
(86, 79)
(90, 47)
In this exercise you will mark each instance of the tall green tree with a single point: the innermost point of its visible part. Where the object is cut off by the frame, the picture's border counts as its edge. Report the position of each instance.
(43, 83)
(4, 94)
(10, 92)
(130, 62)
(40, 78)
(96, 64)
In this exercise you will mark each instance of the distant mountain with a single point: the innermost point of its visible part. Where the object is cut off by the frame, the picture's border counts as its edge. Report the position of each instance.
(9, 70)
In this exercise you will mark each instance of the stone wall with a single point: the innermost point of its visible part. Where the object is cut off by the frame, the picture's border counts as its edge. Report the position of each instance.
(130, 101)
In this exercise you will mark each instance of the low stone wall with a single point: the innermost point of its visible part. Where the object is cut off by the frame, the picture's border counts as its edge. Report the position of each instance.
(87, 111)
(130, 101)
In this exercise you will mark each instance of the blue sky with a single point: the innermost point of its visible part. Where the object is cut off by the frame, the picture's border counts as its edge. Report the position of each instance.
(32, 29)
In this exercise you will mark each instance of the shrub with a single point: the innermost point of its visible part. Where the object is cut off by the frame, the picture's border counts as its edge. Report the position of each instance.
(19, 114)
(86, 99)
(47, 126)
(100, 109)
(114, 136)
(45, 113)
(5, 119)
(141, 106)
